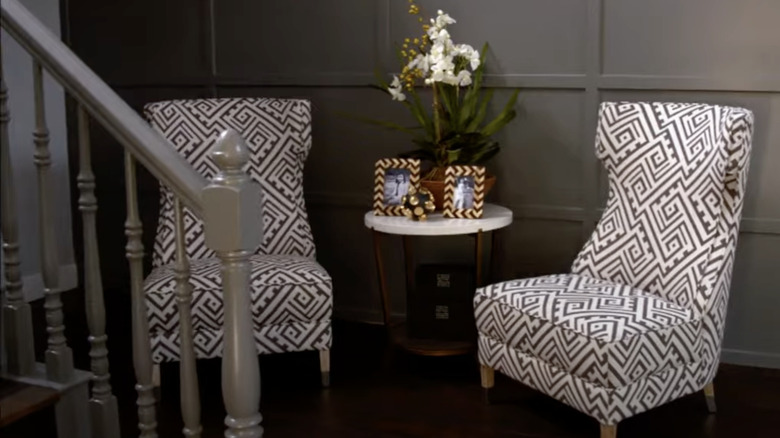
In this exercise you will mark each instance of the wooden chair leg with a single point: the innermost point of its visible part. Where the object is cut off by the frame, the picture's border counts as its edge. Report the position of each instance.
(325, 367)
(609, 431)
(487, 375)
(156, 382)
(156, 375)
(709, 395)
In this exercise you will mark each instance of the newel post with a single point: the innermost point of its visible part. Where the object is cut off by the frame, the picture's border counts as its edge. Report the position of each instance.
(233, 225)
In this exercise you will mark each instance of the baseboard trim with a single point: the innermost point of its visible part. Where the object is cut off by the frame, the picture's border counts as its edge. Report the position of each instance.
(750, 358)
(33, 283)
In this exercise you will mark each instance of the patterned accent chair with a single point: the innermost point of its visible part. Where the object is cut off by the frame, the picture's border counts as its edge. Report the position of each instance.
(639, 321)
(292, 296)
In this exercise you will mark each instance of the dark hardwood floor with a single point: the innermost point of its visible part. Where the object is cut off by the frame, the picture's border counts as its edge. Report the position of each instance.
(378, 391)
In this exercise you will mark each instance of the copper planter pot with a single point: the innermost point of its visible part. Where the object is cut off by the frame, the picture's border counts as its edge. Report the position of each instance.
(437, 189)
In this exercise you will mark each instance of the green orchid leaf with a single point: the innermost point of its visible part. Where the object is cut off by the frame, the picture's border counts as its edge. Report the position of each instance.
(479, 117)
(472, 93)
(452, 155)
(420, 113)
(504, 117)
(486, 153)
(382, 88)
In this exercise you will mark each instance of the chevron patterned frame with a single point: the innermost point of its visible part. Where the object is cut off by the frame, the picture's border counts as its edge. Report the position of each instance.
(640, 319)
(380, 170)
(451, 175)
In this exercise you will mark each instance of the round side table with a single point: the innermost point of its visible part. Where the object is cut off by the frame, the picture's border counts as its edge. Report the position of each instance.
(494, 218)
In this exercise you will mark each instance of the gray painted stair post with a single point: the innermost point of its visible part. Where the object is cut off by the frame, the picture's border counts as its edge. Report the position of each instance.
(188, 375)
(59, 357)
(17, 321)
(103, 407)
(71, 409)
(232, 213)
(142, 353)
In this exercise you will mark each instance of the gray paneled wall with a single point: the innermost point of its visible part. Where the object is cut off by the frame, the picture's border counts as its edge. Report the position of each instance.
(566, 55)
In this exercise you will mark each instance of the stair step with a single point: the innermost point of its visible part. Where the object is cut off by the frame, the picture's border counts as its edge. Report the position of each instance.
(18, 400)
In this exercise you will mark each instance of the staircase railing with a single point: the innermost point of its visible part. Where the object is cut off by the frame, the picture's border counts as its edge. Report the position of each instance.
(227, 205)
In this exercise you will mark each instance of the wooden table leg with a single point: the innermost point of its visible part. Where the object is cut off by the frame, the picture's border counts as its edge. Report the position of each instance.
(409, 260)
(494, 249)
(380, 269)
(478, 258)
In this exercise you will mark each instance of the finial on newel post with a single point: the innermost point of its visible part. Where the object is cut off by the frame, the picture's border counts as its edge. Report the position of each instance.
(232, 215)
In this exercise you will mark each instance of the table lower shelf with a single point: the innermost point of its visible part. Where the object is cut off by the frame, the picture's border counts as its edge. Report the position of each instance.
(428, 347)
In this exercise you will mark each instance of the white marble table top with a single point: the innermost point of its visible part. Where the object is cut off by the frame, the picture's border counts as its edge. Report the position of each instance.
(493, 218)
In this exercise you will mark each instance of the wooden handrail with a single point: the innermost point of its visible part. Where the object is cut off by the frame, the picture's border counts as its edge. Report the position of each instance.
(127, 126)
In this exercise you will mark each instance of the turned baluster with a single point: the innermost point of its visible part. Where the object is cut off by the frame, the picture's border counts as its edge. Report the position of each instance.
(17, 322)
(142, 352)
(103, 407)
(232, 212)
(188, 376)
(59, 357)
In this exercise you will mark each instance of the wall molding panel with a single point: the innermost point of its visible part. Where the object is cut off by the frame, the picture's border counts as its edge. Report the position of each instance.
(566, 56)
(356, 201)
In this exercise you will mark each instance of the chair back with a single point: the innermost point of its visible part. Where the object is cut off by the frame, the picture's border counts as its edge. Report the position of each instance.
(278, 134)
(677, 175)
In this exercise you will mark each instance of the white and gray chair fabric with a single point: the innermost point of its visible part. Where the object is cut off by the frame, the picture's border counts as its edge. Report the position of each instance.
(639, 320)
(291, 294)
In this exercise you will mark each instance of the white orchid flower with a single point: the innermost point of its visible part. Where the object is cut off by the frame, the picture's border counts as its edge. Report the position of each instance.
(397, 94)
(396, 90)
(421, 62)
(437, 49)
(438, 64)
(450, 78)
(464, 78)
(437, 75)
(474, 60)
(447, 64)
(469, 53)
(443, 19)
(462, 49)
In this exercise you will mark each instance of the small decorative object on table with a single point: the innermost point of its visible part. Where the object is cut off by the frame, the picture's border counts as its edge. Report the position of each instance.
(393, 178)
(455, 129)
(418, 204)
(464, 193)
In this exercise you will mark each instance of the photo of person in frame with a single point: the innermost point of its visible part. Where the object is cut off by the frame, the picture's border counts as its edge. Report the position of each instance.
(463, 196)
(396, 185)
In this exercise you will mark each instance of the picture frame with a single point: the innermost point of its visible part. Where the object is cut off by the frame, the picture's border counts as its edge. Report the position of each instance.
(392, 179)
(464, 192)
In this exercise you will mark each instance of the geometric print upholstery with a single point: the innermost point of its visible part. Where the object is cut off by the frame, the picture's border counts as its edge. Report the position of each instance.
(291, 299)
(607, 405)
(639, 321)
(665, 164)
(269, 339)
(291, 295)
(604, 333)
(278, 135)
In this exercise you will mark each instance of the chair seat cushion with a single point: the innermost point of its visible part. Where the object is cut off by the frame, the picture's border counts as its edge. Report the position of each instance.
(605, 333)
(285, 289)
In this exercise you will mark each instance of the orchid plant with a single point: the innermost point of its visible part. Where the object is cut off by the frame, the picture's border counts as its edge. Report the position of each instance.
(455, 131)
